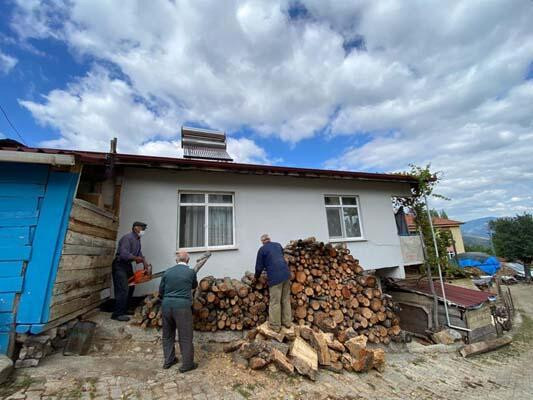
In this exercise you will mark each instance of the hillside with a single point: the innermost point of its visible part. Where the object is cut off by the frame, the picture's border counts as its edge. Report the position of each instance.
(478, 228)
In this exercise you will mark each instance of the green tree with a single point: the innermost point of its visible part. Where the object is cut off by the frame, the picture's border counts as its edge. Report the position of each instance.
(434, 213)
(513, 237)
(477, 248)
(427, 181)
(443, 214)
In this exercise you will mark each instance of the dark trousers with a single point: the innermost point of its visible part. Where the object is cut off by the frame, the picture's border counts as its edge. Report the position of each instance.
(180, 318)
(121, 272)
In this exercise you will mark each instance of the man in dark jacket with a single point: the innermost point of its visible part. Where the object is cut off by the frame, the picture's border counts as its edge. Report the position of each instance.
(175, 291)
(270, 258)
(128, 251)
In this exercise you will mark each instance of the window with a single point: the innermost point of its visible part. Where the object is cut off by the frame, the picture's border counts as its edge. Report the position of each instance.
(206, 220)
(342, 213)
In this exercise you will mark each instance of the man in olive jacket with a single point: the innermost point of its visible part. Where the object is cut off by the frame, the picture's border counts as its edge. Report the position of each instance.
(175, 291)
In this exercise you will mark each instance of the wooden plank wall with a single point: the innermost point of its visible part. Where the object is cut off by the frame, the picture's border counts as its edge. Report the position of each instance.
(85, 267)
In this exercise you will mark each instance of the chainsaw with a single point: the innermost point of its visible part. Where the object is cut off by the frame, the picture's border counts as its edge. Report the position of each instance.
(146, 275)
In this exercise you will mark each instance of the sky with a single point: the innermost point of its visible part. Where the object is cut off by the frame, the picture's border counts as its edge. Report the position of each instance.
(352, 85)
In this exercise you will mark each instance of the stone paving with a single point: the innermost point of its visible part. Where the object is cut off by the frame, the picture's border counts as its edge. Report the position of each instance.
(129, 367)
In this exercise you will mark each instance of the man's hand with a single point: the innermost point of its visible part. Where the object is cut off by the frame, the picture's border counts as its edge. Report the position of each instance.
(139, 260)
(148, 268)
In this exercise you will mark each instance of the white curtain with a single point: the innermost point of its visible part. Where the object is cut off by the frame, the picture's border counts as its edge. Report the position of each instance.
(334, 222)
(192, 226)
(351, 222)
(220, 226)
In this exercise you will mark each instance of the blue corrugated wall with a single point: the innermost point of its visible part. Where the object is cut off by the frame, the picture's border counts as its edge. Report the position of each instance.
(35, 204)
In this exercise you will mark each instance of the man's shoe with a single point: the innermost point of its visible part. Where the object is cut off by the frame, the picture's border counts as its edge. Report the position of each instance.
(183, 370)
(123, 318)
(167, 366)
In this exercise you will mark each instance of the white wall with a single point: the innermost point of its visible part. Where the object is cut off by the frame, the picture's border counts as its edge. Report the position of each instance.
(285, 207)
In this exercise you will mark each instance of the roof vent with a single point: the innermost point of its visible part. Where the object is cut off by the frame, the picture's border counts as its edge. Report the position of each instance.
(204, 144)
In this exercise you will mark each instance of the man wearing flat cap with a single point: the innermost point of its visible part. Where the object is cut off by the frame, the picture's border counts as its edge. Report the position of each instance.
(128, 252)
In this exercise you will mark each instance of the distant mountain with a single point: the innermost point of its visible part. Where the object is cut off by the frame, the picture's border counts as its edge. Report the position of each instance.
(478, 228)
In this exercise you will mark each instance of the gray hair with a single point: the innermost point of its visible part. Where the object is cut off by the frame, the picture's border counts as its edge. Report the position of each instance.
(183, 256)
(265, 236)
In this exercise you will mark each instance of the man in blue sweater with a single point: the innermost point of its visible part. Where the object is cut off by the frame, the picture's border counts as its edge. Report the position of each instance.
(270, 258)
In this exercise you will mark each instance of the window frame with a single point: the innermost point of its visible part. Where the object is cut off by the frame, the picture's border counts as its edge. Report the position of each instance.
(206, 206)
(341, 206)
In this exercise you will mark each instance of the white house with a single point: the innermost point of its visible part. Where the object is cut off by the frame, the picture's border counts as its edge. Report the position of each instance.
(225, 207)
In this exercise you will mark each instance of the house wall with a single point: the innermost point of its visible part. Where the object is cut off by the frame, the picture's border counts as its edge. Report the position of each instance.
(286, 207)
(412, 250)
(458, 238)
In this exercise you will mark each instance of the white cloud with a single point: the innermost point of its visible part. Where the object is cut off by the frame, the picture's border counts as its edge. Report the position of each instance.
(97, 108)
(429, 81)
(7, 63)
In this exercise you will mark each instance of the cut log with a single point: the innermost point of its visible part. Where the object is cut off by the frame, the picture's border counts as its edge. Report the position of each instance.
(482, 347)
(320, 344)
(257, 363)
(304, 358)
(281, 362)
(265, 330)
(378, 359)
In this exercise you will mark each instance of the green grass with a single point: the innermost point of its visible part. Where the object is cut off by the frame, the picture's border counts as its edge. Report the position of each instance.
(419, 360)
(242, 390)
(21, 382)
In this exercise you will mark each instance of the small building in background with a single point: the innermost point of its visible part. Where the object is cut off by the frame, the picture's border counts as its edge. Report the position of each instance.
(443, 224)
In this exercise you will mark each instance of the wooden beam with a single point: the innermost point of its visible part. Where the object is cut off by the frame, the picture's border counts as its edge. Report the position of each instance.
(84, 261)
(482, 347)
(95, 209)
(81, 274)
(88, 240)
(70, 249)
(90, 216)
(68, 317)
(59, 310)
(89, 229)
(66, 291)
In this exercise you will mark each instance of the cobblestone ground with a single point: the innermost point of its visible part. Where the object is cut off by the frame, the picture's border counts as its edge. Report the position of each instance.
(128, 366)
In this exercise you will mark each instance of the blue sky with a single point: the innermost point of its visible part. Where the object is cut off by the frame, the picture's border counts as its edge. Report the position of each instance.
(367, 86)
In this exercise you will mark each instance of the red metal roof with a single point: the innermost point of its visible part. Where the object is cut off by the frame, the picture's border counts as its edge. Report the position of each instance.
(461, 296)
(90, 157)
(437, 222)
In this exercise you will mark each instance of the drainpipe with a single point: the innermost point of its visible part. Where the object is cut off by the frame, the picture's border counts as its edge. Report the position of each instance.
(440, 272)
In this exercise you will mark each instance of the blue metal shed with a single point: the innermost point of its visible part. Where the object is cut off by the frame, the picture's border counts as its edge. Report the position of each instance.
(35, 203)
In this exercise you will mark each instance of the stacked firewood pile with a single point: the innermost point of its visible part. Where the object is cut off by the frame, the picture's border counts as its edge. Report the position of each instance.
(303, 349)
(328, 289)
(148, 314)
(230, 303)
(330, 292)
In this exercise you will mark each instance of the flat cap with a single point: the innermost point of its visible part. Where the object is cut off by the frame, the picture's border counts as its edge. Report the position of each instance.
(141, 224)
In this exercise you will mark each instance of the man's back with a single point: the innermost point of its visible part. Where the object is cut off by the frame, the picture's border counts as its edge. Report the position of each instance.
(270, 257)
(176, 286)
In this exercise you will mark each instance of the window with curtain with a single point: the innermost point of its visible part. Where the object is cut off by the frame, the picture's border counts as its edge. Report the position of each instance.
(205, 220)
(342, 213)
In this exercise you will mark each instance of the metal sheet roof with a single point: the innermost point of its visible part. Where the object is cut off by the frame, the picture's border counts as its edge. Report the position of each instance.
(99, 158)
(461, 296)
